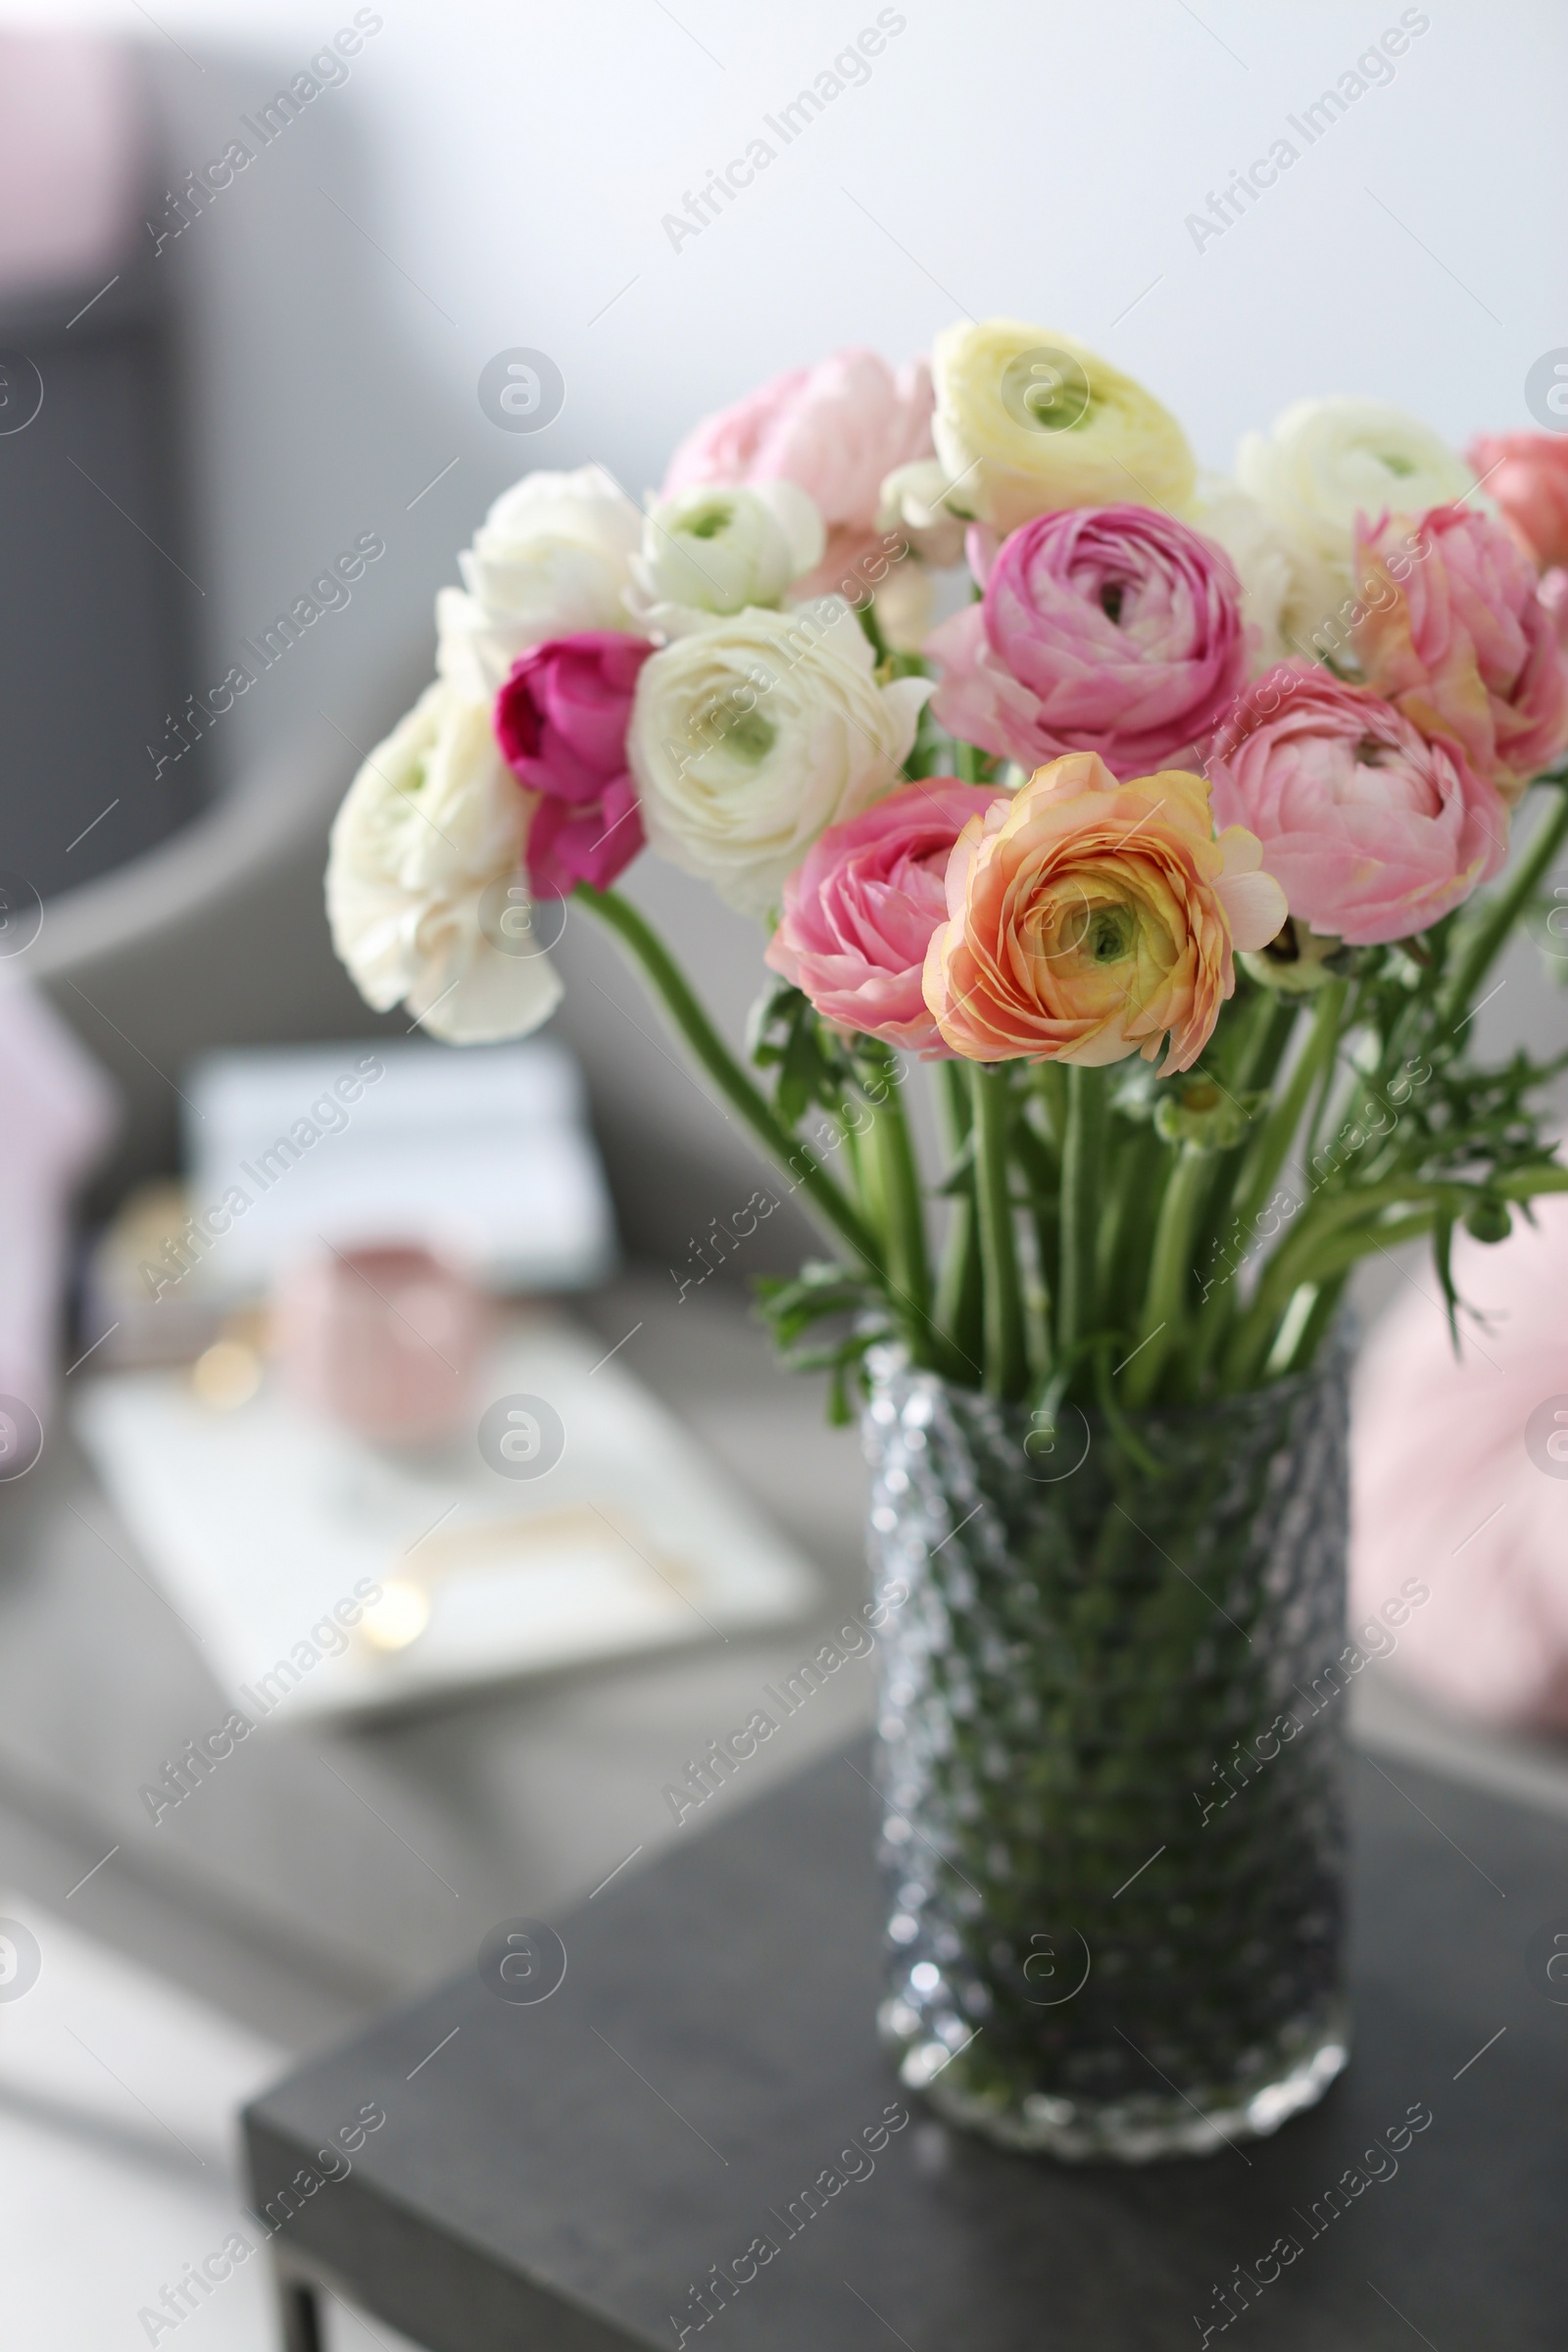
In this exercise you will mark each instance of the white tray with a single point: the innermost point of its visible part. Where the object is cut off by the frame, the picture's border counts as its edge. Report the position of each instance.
(261, 1522)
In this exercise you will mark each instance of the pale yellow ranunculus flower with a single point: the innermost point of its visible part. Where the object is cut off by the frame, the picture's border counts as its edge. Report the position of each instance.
(1028, 421)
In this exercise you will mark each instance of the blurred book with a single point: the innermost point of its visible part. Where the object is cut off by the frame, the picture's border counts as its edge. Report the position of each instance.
(485, 1153)
(484, 1156)
(269, 1528)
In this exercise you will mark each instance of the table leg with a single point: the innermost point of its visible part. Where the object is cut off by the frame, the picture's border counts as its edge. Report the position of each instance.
(299, 2312)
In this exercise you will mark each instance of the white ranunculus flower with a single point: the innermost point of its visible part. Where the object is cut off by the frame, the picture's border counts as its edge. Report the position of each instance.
(750, 737)
(1326, 462)
(1260, 557)
(424, 850)
(719, 548)
(552, 557)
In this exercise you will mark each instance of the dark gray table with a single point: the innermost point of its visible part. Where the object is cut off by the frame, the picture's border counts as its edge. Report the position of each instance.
(565, 2175)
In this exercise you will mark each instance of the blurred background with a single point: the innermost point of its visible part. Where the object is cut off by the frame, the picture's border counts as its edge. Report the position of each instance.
(214, 389)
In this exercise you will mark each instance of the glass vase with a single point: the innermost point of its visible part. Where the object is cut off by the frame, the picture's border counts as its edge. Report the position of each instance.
(1110, 1754)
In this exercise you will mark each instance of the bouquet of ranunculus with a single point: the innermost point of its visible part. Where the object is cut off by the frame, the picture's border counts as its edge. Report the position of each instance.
(1164, 849)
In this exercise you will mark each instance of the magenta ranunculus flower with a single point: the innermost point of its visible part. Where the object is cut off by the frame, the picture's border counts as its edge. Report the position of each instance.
(860, 911)
(560, 720)
(1108, 629)
(1456, 636)
(1372, 830)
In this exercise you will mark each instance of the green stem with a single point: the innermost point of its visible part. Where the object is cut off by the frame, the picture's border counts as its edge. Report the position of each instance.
(971, 765)
(1082, 1159)
(1258, 1034)
(1292, 1264)
(1348, 1247)
(1260, 1057)
(866, 614)
(1123, 1206)
(1323, 1245)
(892, 1150)
(1006, 1366)
(1253, 1041)
(1522, 1184)
(1311, 1247)
(1326, 1086)
(959, 1309)
(1165, 1308)
(1270, 1150)
(1320, 1321)
(1040, 1166)
(1050, 1091)
(1295, 1260)
(1142, 1165)
(794, 1156)
(1503, 911)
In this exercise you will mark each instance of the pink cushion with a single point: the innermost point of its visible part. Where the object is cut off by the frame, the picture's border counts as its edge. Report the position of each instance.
(1456, 1480)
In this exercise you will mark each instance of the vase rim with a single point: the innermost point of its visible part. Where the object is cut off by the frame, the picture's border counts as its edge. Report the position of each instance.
(890, 1365)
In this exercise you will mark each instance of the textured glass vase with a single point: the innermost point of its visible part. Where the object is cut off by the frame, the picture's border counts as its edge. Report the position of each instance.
(1110, 1757)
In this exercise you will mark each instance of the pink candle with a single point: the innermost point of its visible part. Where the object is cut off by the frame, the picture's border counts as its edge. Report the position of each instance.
(390, 1341)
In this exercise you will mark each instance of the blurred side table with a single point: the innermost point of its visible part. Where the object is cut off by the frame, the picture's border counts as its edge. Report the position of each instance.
(596, 2169)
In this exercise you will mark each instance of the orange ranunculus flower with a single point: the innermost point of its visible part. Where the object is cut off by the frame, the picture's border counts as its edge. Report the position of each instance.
(1089, 919)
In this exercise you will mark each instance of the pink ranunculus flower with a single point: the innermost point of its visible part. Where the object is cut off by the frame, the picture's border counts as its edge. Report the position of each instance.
(1526, 474)
(1108, 629)
(860, 913)
(1373, 829)
(1456, 637)
(837, 430)
(1555, 596)
(560, 720)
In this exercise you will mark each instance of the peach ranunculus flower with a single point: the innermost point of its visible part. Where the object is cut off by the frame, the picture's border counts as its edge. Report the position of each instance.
(1088, 920)
(1460, 640)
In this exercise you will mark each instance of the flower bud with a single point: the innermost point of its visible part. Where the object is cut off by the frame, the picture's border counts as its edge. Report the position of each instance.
(718, 550)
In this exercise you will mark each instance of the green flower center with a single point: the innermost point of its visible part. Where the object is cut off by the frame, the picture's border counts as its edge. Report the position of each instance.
(1109, 934)
(706, 523)
(745, 733)
(1048, 391)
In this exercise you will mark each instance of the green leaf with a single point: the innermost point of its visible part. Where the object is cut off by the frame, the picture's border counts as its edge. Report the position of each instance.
(785, 1032)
